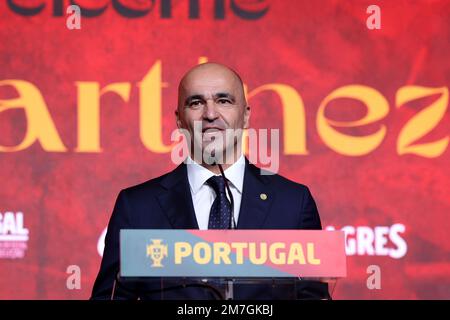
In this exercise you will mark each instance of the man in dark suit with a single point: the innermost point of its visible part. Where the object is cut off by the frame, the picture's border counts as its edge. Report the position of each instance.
(211, 101)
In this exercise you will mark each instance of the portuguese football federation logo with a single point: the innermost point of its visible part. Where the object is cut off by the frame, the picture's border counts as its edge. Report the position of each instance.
(157, 251)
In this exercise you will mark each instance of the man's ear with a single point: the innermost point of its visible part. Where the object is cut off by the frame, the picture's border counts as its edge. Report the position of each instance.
(177, 116)
(247, 113)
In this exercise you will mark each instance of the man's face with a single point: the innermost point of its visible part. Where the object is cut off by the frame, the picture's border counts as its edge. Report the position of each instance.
(211, 100)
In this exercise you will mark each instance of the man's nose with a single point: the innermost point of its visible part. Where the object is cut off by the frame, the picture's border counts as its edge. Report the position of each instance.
(210, 111)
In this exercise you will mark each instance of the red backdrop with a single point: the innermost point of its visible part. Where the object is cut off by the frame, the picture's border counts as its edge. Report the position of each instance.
(63, 163)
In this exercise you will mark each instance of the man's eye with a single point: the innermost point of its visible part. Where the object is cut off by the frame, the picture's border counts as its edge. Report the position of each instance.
(224, 101)
(195, 103)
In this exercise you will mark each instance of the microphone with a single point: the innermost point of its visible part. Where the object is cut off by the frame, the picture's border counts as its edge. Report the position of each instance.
(232, 224)
(229, 291)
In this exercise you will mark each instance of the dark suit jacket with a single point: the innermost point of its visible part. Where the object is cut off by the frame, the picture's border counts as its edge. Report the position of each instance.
(166, 203)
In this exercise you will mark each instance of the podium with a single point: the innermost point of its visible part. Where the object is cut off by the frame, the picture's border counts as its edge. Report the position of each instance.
(229, 264)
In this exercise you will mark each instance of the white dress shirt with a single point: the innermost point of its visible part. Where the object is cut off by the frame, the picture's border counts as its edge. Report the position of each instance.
(203, 195)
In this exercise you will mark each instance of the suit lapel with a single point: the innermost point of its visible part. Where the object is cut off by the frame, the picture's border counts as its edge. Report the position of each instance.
(176, 199)
(257, 197)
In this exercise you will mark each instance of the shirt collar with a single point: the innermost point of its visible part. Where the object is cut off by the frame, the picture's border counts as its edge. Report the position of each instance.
(198, 175)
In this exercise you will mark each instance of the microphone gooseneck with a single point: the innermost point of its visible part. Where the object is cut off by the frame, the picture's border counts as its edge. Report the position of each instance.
(232, 224)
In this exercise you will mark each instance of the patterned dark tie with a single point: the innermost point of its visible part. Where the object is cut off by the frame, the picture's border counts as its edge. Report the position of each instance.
(220, 214)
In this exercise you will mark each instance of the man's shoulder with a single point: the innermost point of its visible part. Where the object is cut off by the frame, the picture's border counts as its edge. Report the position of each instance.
(277, 181)
(163, 182)
(153, 185)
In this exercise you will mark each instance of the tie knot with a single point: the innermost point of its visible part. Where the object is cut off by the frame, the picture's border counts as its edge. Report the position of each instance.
(217, 183)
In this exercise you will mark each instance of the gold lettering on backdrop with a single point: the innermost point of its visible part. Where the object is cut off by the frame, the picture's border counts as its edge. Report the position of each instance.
(40, 126)
(294, 135)
(150, 106)
(377, 109)
(423, 122)
(89, 95)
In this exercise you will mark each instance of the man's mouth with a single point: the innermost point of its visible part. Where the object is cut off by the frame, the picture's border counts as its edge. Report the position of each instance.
(211, 130)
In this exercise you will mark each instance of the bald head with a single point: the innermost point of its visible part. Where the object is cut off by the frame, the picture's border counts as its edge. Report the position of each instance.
(211, 101)
(213, 73)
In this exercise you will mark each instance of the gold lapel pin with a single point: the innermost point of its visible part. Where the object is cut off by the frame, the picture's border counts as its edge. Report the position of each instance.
(263, 196)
